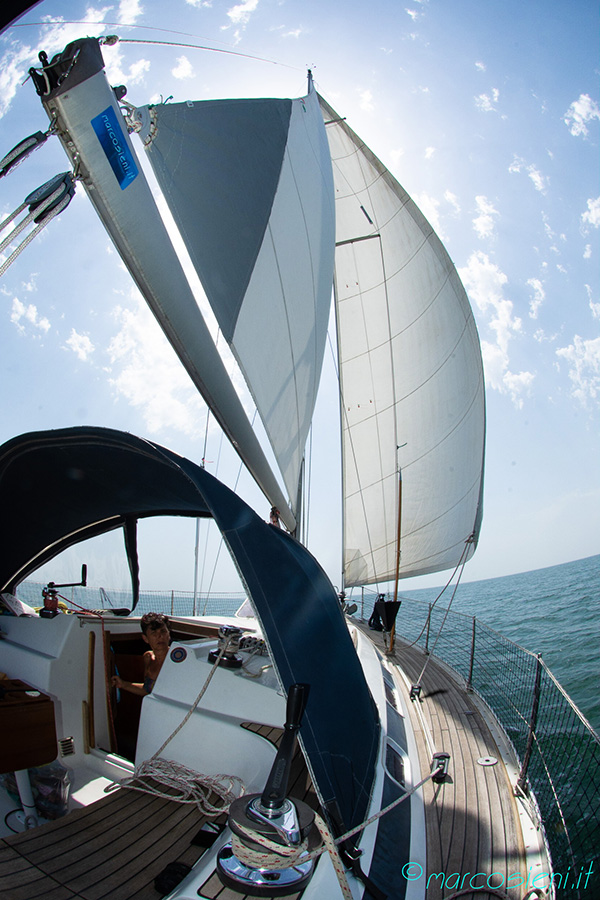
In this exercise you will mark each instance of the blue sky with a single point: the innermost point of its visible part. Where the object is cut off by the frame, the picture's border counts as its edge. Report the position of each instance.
(487, 113)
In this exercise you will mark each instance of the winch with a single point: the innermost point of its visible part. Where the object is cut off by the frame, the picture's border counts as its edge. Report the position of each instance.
(272, 825)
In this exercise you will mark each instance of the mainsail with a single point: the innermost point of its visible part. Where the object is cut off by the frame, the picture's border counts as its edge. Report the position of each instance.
(412, 391)
(250, 185)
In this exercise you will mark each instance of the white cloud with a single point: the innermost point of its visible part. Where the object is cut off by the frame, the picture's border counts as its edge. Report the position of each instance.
(539, 180)
(55, 36)
(129, 10)
(480, 66)
(539, 295)
(80, 344)
(519, 165)
(592, 215)
(147, 373)
(587, 251)
(583, 358)
(452, 199)
(483, 223)
(486, 103)
(595, 307)
(114, 67)
(485, 284)
(429, 152)
(183, 69)
(22, 316)
(200, 4)
(580, 112)
(240, 14)
(30, 286)
(13, 69)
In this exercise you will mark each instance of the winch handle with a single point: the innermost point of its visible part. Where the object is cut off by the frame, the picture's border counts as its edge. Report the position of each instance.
(296, 704)
(274, 795)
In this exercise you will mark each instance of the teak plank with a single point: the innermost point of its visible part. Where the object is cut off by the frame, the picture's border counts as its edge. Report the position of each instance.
(471, 820)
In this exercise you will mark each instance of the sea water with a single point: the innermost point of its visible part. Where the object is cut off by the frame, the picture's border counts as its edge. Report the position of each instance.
(553, 611)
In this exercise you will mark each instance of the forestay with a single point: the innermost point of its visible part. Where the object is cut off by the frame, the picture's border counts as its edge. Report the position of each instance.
(250, 186)
(411, 377)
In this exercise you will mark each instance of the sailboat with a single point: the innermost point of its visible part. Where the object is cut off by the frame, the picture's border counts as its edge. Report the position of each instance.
(284, 752)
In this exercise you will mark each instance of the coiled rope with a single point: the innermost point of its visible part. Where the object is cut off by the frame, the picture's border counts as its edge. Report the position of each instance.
(174, 781)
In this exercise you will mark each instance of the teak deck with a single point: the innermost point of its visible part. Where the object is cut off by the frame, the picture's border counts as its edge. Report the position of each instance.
(116, 847)
(471, 820)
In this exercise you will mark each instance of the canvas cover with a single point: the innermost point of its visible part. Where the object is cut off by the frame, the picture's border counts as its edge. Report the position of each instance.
(57, 487)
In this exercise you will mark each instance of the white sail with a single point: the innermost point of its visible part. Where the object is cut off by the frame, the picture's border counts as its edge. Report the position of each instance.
(250, 186)
(88, 121)
(412, 391)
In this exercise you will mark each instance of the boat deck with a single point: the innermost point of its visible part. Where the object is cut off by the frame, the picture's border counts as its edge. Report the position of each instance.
(116, 847)
(471, 820)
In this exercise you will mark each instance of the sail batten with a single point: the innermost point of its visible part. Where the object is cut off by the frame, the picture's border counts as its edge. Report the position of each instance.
(411, 378)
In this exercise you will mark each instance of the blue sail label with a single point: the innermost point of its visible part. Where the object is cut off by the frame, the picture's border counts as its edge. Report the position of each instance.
(110, 134)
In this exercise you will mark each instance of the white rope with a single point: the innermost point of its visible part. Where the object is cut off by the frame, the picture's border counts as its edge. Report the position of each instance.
(186, 786)
(174, 781)
(196, 701)
(276, 856)
(32, 234)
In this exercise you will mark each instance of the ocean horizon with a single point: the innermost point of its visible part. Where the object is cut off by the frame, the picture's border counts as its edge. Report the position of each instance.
(551, 611)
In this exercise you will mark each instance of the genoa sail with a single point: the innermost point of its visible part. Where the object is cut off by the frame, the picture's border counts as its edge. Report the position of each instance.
(412, 389)
(250, 186)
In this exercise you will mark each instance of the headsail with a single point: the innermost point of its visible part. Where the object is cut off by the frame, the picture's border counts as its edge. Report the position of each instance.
(250, 186)
(411, 377)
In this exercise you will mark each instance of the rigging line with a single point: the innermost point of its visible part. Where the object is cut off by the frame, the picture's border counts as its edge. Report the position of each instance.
(222, 541)
(462, 563)
(306, 489)
(344, 419)
(439, 596)
(203, 47)
(153, 28)
(203, 463)
(110, 24)
(212, 577)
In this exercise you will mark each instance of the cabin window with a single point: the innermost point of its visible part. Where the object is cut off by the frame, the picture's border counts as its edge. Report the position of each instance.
(394, 764)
